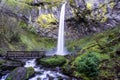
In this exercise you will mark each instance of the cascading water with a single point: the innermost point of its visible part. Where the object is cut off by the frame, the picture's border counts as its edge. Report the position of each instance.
(60, 43)
(43, 74)
(4, 77)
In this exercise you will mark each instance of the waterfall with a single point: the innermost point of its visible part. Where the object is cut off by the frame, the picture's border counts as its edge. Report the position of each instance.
(60, 43)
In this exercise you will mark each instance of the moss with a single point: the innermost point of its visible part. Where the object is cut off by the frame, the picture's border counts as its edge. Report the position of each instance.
(89, 5)
(46, 20)
(27, 1)
(107, 74)
(2, 51)
(20, 6)
(53, 1)
(30, 72)
(34, 42)
(103, 46)
(2, 61)
(89, 43)
(27, 27)
(112, 4)
(53, 61)
(9, 78)
(20, 73)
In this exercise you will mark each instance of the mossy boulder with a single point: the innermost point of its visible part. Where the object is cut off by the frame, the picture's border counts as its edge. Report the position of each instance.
(8, 65)
(52, 61)
(20, 73)
(30, 72)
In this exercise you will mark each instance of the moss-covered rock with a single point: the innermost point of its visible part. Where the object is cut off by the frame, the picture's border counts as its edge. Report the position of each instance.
(30, 72)
(52, 61)
(20, 73)
(46, 20)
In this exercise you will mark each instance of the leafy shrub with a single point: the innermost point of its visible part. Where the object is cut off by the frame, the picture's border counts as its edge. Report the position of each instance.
(88, 65)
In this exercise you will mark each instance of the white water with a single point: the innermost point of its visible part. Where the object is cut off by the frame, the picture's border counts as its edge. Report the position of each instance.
(43, 74)
(4, 77)
(60, 43)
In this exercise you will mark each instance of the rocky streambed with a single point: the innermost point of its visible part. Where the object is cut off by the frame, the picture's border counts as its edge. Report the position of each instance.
(32, 71)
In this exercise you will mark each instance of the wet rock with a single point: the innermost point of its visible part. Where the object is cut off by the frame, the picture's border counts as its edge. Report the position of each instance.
(119, 74)
(17, 74)
(20, 73)
(8, 65)
(118, 51)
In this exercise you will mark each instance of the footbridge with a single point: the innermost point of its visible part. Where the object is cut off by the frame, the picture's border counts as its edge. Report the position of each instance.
(24, 54)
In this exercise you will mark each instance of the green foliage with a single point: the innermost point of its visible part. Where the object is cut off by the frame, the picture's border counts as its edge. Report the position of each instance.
(2, 61)
(88, 65)
(1, 51)
(23, 25)
(15, 37)
(21, 6)
(28, 28)
(100, 42)
(53, 61)
(27, 1)
(34, 42)
(30, 72)
(9, 78)
(20, 73)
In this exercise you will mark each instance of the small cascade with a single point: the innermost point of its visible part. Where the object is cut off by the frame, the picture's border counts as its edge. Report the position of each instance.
(60, 43)
(4, 77)
(42, 73)
(30, 20)
(30, 63)
(39, 8)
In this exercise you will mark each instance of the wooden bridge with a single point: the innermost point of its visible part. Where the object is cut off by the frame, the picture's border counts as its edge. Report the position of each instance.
(24, 54)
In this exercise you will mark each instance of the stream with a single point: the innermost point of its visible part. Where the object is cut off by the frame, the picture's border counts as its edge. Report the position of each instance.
(43, 74)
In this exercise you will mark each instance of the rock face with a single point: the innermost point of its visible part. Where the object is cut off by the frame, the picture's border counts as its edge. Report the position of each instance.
(83, 17)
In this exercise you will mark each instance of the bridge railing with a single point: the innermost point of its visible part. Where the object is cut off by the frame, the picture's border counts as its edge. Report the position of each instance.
(25, 54)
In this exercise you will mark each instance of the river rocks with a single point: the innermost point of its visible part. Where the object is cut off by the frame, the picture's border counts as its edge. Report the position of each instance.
(20, 73)
(7, 65)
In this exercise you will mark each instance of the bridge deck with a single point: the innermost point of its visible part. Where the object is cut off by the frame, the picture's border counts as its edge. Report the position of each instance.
(24, 54)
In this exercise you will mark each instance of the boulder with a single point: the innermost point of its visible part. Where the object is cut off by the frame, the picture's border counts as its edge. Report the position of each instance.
(52, 62)
(20, 73)
(8, 65)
